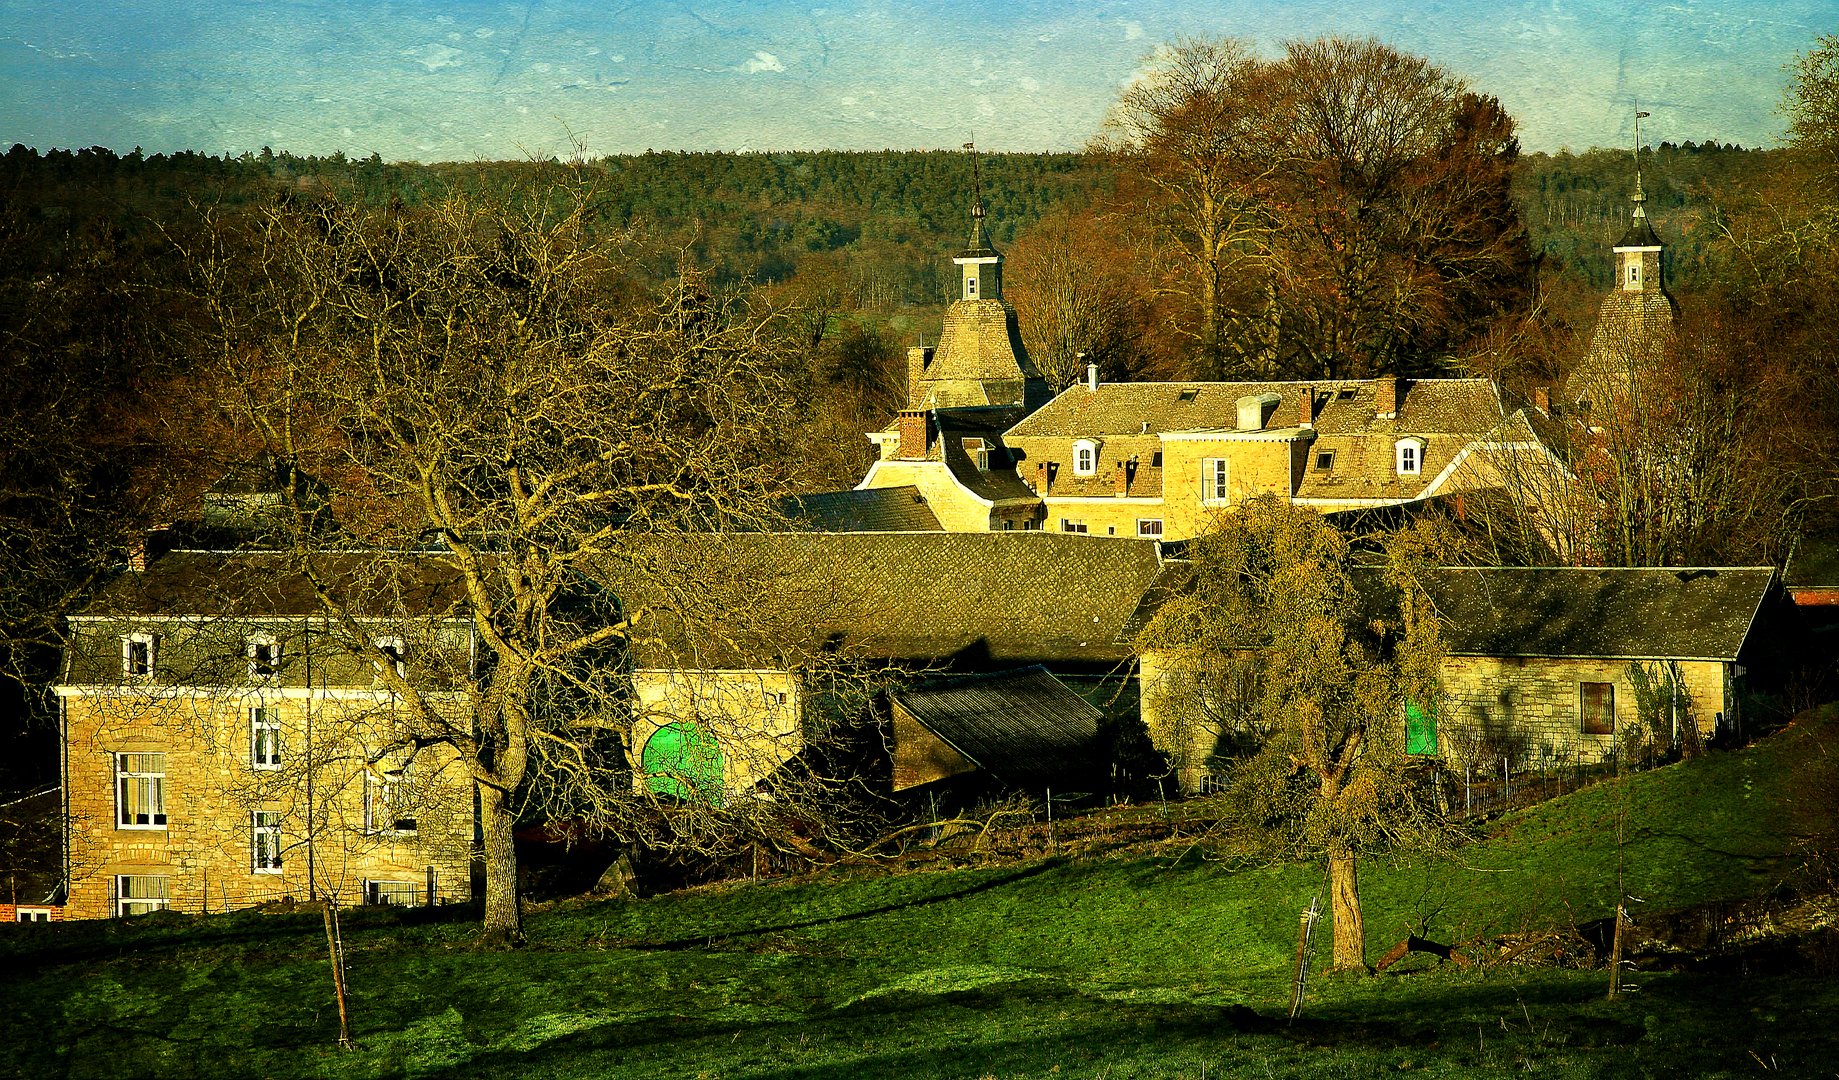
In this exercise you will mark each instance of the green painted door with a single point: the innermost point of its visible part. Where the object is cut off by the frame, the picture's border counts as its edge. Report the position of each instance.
(682, 760)
(1420, 729)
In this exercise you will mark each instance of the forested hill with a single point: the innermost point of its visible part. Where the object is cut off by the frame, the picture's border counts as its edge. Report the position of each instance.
(760, 216)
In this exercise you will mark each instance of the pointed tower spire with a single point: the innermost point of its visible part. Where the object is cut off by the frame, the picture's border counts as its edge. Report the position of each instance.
(1640, 197)
(1638, 252)
(981, 263)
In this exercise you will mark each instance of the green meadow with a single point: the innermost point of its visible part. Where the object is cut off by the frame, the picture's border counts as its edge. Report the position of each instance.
(1149, 961)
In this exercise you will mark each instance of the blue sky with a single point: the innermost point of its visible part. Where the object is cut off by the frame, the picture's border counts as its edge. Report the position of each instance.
(468, 79)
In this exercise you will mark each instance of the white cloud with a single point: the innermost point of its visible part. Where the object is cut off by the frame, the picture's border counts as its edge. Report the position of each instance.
(762, 61)
(433, 56)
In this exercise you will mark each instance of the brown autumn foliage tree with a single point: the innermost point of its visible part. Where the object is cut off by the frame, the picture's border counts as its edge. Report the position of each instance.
(1073, 280)
(1339, 212)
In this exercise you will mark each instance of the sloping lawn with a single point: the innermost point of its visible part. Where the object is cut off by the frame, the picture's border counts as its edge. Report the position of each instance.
(1109, 967)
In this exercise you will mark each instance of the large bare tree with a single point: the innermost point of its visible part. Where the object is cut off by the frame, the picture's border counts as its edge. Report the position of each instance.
(482, 398)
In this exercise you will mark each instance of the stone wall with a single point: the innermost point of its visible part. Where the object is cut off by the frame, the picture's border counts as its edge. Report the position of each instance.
(213, 785)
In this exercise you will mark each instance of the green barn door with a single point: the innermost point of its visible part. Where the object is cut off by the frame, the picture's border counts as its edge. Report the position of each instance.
(682, 760)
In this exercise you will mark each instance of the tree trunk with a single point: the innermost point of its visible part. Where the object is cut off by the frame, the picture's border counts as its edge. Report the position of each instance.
(504, 911)
(1344, 904)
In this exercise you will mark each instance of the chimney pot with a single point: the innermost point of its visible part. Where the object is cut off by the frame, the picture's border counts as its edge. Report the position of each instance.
(1092, 378)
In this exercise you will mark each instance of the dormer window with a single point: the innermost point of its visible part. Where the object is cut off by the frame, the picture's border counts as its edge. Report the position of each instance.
(137, 655)
(1085, 457)
(1410, 456)
(264, 657)
(1324, 460)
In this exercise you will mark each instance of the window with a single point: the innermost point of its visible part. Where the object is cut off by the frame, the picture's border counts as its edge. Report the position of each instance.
(1155, 460)
(1149, 526)
(1188, 393)
(265, 841)
(1596, 708)
(137, 655)
(1068, 525)
(138, 894)
(1085, 457)
(264, 657)
(1324, 460)
(1410, 456)
(1213, 480)
(970, 288)
(140, 791)
(774, 698)
(1346, 393)
(32, 914)
(386, 804)
(1634, 273)
(393, 893)
(264, 739)
(393, 653)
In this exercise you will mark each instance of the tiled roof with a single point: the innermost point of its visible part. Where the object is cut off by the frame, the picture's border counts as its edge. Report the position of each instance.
(1616, 612)
(895, 509)
(1018, 725)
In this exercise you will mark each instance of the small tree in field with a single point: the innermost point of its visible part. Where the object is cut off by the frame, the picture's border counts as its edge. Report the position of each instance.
(1329, 656)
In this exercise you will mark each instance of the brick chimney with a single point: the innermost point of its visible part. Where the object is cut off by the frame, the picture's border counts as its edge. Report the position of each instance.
(1542, 397)
(137, 554)
(1042, 479)
(919, 358)
(1305, 409)
(1385, 397)
(1122, 476)
(915, 435)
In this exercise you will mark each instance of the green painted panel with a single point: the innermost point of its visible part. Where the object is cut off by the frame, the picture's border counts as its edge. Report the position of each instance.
(1420, 729)
(684, 761)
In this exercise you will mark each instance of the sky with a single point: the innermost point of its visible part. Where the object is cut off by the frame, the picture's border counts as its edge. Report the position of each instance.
(447, 80)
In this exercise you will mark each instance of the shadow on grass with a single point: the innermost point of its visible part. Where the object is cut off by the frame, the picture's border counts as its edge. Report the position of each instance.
(704, 941)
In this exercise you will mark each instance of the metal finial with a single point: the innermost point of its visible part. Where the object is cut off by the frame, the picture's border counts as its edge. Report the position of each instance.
(1640, 196)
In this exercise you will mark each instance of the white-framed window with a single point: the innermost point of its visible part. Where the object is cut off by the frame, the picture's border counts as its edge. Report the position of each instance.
(139, 651)
(1068, 525)
(1215, 480)
(138, 894)
(395, 653)
(393, 893)
(140, 791)
(1410, 456)
(1085, 457)
(265, 841)
(1634, 273)
(1149, 526)
(386, 804)
(264, 738)
(264, 654)
(32, 914)
(1324, 460)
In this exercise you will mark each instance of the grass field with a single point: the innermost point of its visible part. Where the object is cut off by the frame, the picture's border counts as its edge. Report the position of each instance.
(1134, 965)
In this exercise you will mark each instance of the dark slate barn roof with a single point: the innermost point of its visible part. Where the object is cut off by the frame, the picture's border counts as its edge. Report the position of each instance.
(1018, 725)
(269, 583)
(895, 509)
(1615, 612)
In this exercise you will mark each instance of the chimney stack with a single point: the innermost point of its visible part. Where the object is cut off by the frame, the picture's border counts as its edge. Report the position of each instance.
(1123, 479)
(919, 357)
(1542, 397)
(915, 435)
(1092, 378)
(137, 554)
(1385, 397)
(1042, 479)
(1305, 412)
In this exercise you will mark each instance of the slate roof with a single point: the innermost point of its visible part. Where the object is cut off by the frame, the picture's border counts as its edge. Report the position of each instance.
(1610, 613)
(267, 583)
(894, 509)
(972, 598)
(1017, 725)
(956, 426)
(980, 360)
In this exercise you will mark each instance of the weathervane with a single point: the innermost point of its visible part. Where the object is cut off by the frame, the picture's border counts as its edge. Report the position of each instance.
(976, 180)
(1640, 196)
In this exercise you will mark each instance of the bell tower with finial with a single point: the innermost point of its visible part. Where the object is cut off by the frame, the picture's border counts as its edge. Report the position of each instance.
(1638, 253)
(1636, 318)
(980, 262)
